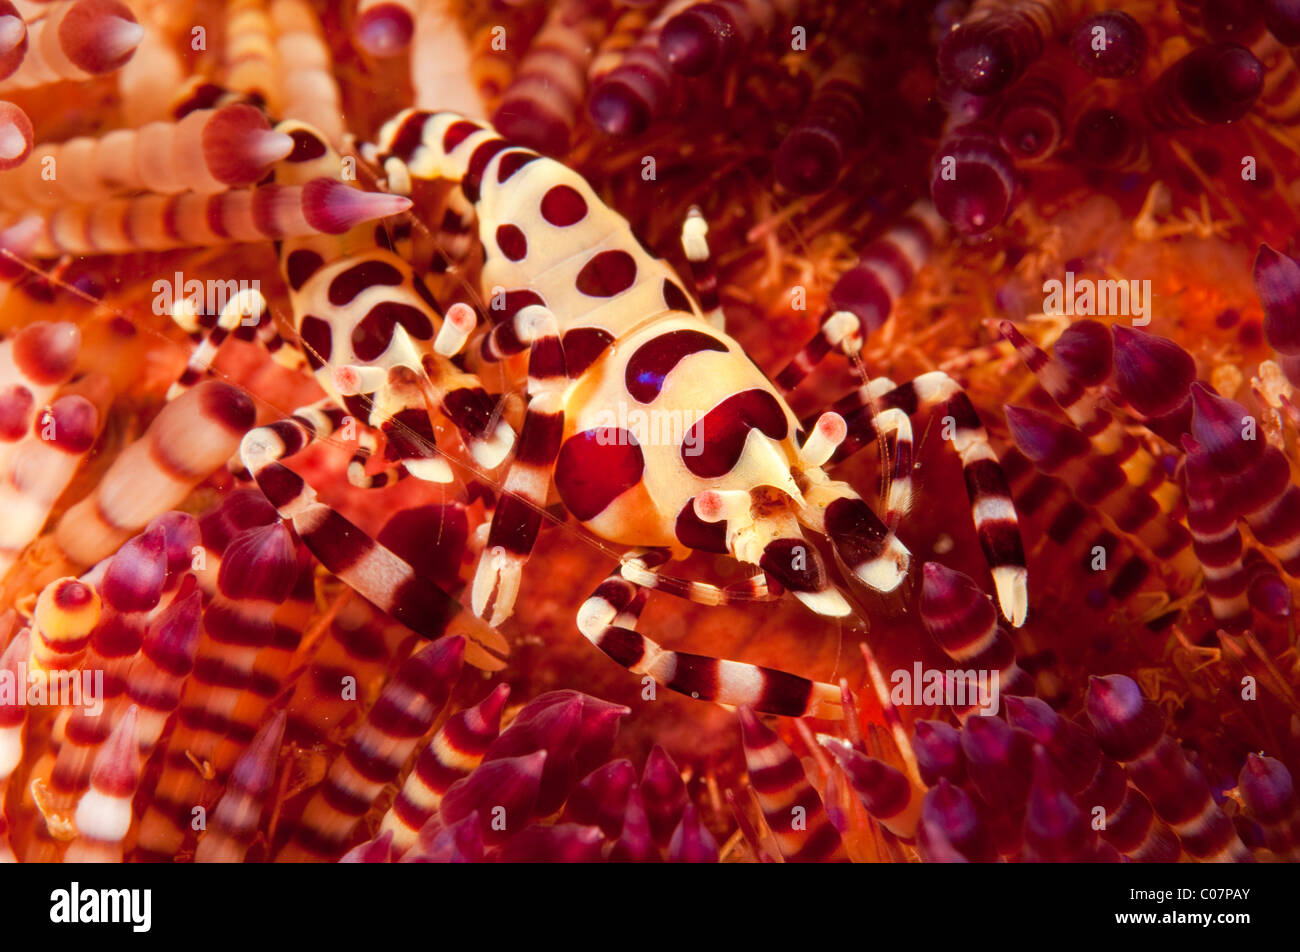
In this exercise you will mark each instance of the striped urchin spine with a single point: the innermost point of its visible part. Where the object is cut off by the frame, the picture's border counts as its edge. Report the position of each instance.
(1216, 541)
(237, 815)
(1277, 284)
(191, 219)
(886, 792)
(708, 35)
(208, 151)
(214, 719)
(541, 106)
(1060, 450)
(997, 42)
(13, 717)
(186, 442)
(1082, 361)
(635, 87)
(156, 677)
(972, 180)
(1255, 475)
(41, 465)
(130, 587)
(792, 808)
(250, 63)
(306, 76)
(964, 622)
(75, 40)
(1211, 85)
(887, 267)
(813, 154)
(452, 754)
(1152, 378)
(373, 758)
(103, 816)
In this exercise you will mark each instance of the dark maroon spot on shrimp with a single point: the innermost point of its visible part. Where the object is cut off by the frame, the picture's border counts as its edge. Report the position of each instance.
(478, 162)
(504, 306)
(426, 295)
(317, 341)
(471, 409)
(301, 265)
(794, 564)
(653, 360)
(563, 205)
(512, 162)
(714, 444)
(305, 146)
(607, 274)
(583, 347)
(351, 282)
(511, 241)
(693, 531)
(457, 133)
(371, 337)
(595, 467)
(674, 297)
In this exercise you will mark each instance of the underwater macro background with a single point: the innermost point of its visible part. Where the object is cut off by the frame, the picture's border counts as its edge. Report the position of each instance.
(925, 167)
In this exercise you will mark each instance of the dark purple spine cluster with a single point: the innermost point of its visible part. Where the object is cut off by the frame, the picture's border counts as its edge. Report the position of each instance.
(1056, 829)
(951, 830)
(1032, 785)
(939, 756)
(999, 765)
(1097, 783)
(1211, 85)
(1131, 729)
(553, 759)
(575, 730)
